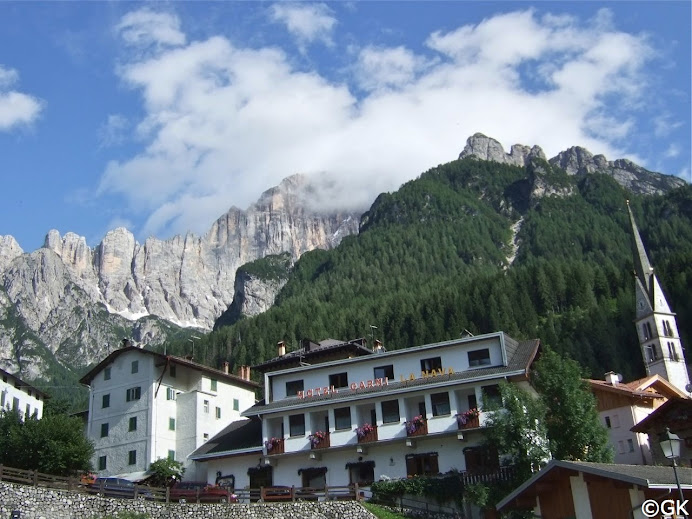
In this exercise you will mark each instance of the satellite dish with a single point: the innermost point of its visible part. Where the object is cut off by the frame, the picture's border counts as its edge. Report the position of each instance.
(688, 388)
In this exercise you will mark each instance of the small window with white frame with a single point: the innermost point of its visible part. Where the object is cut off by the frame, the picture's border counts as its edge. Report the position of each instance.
(170, 393)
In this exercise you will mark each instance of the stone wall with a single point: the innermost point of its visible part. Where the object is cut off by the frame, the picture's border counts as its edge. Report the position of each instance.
(43, 503)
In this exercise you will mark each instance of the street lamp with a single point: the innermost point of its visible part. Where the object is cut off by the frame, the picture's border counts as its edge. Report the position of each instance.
(670, 445)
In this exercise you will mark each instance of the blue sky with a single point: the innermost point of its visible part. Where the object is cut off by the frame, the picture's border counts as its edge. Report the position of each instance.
(160, 116)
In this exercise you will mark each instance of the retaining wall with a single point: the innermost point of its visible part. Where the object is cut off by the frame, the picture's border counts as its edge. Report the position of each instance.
(44, 503)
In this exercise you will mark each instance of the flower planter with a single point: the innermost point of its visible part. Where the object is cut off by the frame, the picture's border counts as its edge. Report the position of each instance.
(419, 430)
(471, 423)
(321, 444)
(368, 437)
(275, 447)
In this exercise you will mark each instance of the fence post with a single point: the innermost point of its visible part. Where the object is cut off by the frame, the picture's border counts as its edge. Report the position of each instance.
(355, 488)
(262, 493)
(197, 494)
(168, 494)
(293, 492)
(326, 492)
(34, 477)
(1, 467)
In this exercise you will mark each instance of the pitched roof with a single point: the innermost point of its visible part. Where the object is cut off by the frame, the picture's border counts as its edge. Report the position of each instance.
(216, 373)
(243, 434)
(519, 360)
(623, 389)
(647, 476)
(312, 350)
(23, 385)
(682, 405)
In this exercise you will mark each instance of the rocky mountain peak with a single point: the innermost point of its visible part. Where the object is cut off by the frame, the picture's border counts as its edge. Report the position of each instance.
(9, 250)
(575, 161)
(486, 148)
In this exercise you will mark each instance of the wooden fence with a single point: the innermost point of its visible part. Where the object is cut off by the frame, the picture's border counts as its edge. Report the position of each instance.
(266, 494)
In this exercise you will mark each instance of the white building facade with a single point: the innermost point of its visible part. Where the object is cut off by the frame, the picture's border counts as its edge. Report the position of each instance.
(144, 406)
(354, 420)
(17, 395)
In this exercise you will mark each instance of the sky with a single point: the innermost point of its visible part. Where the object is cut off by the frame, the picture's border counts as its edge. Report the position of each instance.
(160, 116)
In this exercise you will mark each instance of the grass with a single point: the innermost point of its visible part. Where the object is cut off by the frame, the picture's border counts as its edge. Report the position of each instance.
(382, 513)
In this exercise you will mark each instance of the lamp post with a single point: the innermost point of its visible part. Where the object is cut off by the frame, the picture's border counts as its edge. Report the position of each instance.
(670, 445)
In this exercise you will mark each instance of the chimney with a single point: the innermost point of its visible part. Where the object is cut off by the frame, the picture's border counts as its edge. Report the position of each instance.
(613, 378)
(126, 343)
(226, 367)
(282, 348)
(245, 372)
(377, 347)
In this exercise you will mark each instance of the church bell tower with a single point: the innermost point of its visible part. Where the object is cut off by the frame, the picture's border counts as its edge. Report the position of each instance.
(657, 329)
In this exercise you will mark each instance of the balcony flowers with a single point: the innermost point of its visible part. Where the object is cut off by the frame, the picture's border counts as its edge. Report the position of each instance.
(414, 424)
(364, 430)
(316, 438)
(271, 443)
(467, 416)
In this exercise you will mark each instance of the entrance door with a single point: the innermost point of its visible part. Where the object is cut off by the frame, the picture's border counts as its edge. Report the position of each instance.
(259, 477)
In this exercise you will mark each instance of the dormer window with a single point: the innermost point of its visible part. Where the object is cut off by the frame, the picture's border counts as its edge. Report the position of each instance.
(479, 358)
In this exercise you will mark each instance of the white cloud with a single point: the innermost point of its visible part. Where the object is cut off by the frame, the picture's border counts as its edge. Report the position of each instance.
(16, 108)
(145, 28)
(113, 131)
(672, 151)
(306, 22)
(224, 122)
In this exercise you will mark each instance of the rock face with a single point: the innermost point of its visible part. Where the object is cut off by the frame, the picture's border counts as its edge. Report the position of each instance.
(73, 300)
(575, 161)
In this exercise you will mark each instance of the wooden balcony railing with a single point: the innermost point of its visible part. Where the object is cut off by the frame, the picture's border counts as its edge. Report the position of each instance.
(471, 423)
(321, 444)
(369, 437)
(487, 475)
(417, 430)
(276, 446)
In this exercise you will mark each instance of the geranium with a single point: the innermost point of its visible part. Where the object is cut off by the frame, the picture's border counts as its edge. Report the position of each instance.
(364, 430)
(271, 443)
(413, 424)
(317, 437)
(467, 416)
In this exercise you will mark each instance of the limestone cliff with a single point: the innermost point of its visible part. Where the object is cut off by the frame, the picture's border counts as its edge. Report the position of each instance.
(74, 300)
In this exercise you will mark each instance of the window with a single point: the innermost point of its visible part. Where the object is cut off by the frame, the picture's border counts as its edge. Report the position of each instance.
(621, 447)
(133, 424)
(362, 472)
(134, 393)
(293, 387)
(206, 406)
(104, 430)
(649, 333)
(27, 413)
(390, 411)
(479, 358)
(170, 393)
(2, 399)
(431, 364)
(218, 413)
(607, 422)
(491, 396)
(171, 455)
(667, 329)
(615, 420)
(214, 384)
(132, 457)
(342, 418)
(384, 372)
(107, 373)
(422, 464)
(106, 401)
(15, 404)
(102, 463)
(205, 436)
(473, 403)
(650, 351)
(171, 424)
(338, 380)
(135, 366)
(645, 334)
(296, 425)
(672, 354)
(440, 404)
(236, 405)
(172, 370)
(630, 445)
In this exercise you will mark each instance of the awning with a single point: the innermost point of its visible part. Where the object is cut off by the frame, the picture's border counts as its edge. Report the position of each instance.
(312, 471)
(369, 463)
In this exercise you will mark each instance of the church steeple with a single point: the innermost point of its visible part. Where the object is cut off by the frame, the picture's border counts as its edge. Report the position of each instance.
(657, 329)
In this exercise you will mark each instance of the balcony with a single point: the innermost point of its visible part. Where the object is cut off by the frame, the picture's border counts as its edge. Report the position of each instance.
(416, 427)
(319, 440)
(367, 436)
(275, 446)
(469, 420)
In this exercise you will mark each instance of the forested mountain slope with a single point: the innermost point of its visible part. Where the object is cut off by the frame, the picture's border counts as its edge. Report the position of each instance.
(482, 246)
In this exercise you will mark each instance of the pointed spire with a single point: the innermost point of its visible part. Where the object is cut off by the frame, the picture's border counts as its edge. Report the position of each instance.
(642, 266)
